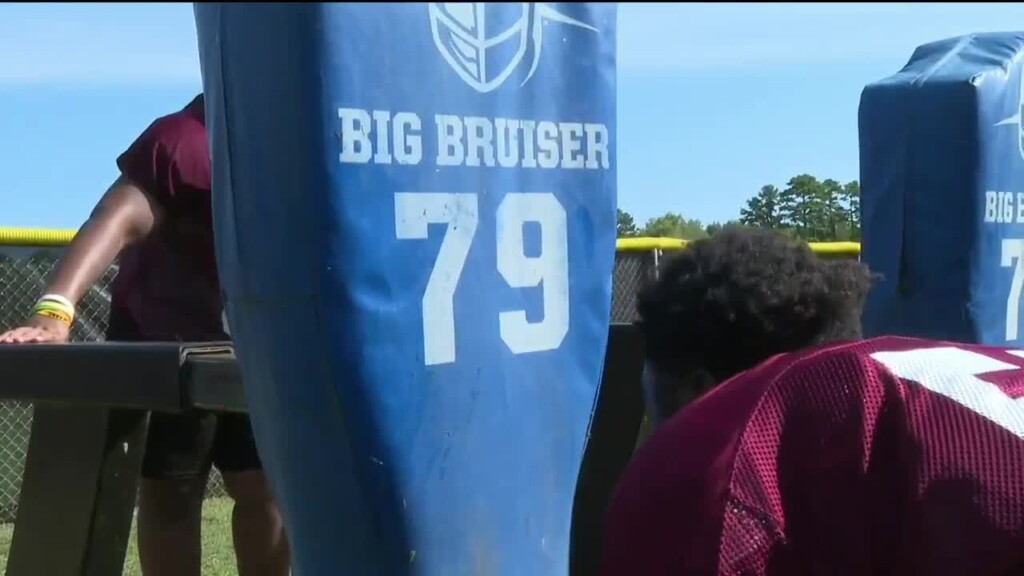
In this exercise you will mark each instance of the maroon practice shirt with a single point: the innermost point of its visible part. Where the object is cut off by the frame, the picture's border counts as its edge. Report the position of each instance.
(167, 287)
(891, 456)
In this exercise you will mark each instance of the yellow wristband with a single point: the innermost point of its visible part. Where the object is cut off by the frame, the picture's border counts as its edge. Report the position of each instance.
(56, 307)
(56, 315)
(52, 306)
(60, 301)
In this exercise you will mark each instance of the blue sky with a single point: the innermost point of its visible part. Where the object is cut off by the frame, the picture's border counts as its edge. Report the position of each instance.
(715, 100)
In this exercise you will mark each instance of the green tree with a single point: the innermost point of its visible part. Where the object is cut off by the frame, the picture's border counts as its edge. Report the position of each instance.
(673, 225)
(716, 227)
(807, 208)
(849, 203)
(763, 209)
(833, 221)
(804, 207)
(810, 208)
(625, 226)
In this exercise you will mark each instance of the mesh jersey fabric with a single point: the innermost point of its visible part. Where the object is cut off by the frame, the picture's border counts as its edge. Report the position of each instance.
(889, 456)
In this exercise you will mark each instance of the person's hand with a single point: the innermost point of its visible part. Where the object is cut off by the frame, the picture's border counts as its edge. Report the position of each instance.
(38, 330)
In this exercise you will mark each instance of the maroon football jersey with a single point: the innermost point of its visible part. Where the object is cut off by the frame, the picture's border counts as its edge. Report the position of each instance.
(167, 286)
(891, 456)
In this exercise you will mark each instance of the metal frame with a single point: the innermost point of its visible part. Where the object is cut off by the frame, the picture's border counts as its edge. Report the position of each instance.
(91, 418)
(89, 429)
(613, 436)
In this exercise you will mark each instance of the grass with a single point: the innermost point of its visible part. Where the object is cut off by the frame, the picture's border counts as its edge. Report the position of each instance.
(218, 552)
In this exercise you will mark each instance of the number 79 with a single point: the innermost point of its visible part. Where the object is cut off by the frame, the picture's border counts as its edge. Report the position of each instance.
(414, 212)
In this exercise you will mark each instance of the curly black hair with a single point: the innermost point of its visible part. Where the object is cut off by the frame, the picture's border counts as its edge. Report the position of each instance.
(729, 302)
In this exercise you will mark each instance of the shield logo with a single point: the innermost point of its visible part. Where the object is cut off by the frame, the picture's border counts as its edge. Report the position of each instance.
(1018, 118)
(482, 42)
(1020, 115)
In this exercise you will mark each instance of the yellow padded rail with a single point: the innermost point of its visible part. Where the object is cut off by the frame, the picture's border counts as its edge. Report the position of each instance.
(648, 244)
(47, 237)
(35, 237)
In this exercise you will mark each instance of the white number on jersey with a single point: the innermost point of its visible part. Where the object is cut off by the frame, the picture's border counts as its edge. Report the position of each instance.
(953, 372)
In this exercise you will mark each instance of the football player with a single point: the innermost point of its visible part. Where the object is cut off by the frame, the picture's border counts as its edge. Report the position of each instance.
(810, 451)
(156, 219)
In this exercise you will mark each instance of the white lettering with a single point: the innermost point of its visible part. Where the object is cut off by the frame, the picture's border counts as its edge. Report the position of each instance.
(597, 146)
(572, 144)
(408, 142)
(508, 141)
(385, 137)
(479, 141)
(547, 271)
(449, 140)
(547, 144)
(381, 119)
(355, 136)
(529, 149)
(1013, 255)
(953, 372)
(413, 215)
(990, 206)
(367, 136)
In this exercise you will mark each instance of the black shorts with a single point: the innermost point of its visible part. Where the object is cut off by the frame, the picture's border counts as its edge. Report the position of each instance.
(184, 446)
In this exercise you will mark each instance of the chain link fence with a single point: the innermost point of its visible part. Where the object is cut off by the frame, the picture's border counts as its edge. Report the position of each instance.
(23, 272)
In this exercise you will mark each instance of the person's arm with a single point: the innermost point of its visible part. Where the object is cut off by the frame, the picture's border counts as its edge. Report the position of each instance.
(125, 215)
(170, 157)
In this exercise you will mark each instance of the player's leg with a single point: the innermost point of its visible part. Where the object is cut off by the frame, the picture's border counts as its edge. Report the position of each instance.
(261, 546)
(174, 472)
